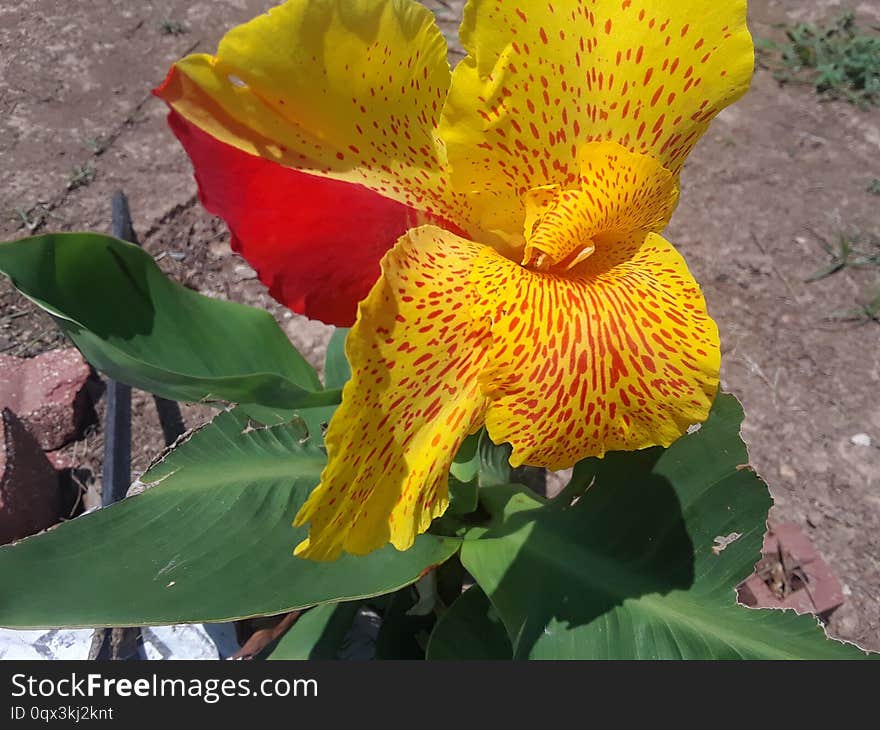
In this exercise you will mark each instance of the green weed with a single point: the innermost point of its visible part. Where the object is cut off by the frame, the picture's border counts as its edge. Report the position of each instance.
(852, 251)
(839, 59)
(856, 251)
(81, 176)
(172, 27)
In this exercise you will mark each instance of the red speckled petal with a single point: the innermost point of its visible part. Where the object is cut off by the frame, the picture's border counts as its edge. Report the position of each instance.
(315, 242)
(347, 89)
(620, 355)
(542, 78)
(415, 353)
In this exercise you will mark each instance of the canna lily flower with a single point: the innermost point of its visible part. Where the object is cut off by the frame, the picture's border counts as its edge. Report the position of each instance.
(492, 233)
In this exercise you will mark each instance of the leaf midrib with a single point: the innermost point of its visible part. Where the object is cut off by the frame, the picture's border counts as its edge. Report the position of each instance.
(688, 615)
(273, 468)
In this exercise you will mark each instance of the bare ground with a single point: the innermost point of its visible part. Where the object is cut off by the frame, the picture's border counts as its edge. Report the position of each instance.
(775, 175)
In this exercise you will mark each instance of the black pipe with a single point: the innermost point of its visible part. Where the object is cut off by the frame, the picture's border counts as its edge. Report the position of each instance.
(117, 423)
(125, 643)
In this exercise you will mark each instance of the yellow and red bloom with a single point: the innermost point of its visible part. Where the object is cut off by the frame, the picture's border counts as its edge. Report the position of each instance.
(492, 232)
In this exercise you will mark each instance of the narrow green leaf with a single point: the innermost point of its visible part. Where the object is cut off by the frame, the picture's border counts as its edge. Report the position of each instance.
(315, 420)
(480, 459)
(405, 629)
(463, 496)
(336, 368)
(140, 327)
(318, 634)
(478, 463)
(494, 461)
(470, 629)
(627, 569)
(212, 541)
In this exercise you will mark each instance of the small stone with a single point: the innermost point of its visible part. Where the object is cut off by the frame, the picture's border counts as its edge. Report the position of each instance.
(92, 497)
(244, 273)
(30, 498)
(47, 393)
(219, 249)
(786, 472)
(848, 624)
(814, 518)
(861, 439)
(60, 461)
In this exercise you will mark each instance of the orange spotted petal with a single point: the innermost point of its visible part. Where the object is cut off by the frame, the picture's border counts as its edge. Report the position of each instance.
(347, 89)
(542, 78)
(415, 354)
(618, 354)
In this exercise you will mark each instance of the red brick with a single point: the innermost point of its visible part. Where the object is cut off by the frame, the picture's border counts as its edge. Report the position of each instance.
(47, 393)
(823, 594)
(30, 498)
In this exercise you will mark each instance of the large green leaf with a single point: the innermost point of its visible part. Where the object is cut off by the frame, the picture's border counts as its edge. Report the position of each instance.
(141, 328)
(627, 569)
(212, 541)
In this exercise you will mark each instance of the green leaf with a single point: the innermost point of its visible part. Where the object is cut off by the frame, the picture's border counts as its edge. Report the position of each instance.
(314, 420)
(494, 461)
(463, 496)
(405, 628)
(212, 541)
(626, 569)
(470, 629)
(318, 634)
(480, 459)
(478, 463)
(139, 327)
(336, 368)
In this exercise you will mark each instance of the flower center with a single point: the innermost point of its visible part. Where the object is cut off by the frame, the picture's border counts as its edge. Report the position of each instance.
(618, 192)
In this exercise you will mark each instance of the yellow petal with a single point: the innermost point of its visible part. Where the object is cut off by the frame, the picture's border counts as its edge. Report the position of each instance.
(349, 89)
(542, 78)
(620, 354)
(618, 191)
(415, 352)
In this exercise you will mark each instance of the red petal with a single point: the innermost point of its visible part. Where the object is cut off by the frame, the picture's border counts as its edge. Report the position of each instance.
(315, 242)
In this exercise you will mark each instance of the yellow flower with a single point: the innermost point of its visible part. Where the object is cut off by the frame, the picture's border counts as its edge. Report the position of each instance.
(531, 290)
